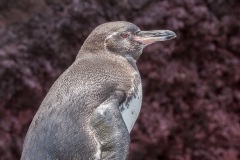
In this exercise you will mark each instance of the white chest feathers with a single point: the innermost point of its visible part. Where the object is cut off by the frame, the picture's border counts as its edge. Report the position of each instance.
(132, 109)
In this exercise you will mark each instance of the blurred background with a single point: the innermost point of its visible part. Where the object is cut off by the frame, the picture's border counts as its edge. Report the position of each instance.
(191, 85)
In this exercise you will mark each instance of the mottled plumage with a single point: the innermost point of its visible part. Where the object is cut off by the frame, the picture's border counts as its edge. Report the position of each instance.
(91, 108)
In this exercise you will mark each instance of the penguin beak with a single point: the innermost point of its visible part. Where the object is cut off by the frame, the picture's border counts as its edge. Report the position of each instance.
(149, 37)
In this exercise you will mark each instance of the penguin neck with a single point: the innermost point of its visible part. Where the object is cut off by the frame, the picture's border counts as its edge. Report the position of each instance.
(101, 53)
(126, 57)
(132, 62)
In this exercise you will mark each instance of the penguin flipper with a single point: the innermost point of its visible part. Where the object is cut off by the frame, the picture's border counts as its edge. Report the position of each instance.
(109, 130)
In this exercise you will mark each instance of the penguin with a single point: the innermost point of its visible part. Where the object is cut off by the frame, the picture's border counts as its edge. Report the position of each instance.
(91, 108)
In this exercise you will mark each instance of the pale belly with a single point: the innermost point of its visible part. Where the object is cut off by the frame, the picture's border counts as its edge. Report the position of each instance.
(131, 112)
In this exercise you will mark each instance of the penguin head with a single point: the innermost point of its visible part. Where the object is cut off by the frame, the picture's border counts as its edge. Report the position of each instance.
(123, 38)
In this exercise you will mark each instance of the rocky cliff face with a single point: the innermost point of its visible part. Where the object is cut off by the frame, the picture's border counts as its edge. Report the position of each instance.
(191, 85)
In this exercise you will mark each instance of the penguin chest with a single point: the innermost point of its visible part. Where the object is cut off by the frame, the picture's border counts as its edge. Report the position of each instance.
(131, 108)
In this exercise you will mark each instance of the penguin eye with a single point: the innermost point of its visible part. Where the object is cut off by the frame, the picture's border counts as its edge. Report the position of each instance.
(124, 35)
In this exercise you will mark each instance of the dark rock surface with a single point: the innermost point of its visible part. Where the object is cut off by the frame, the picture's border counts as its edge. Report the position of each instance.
(191, 85)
